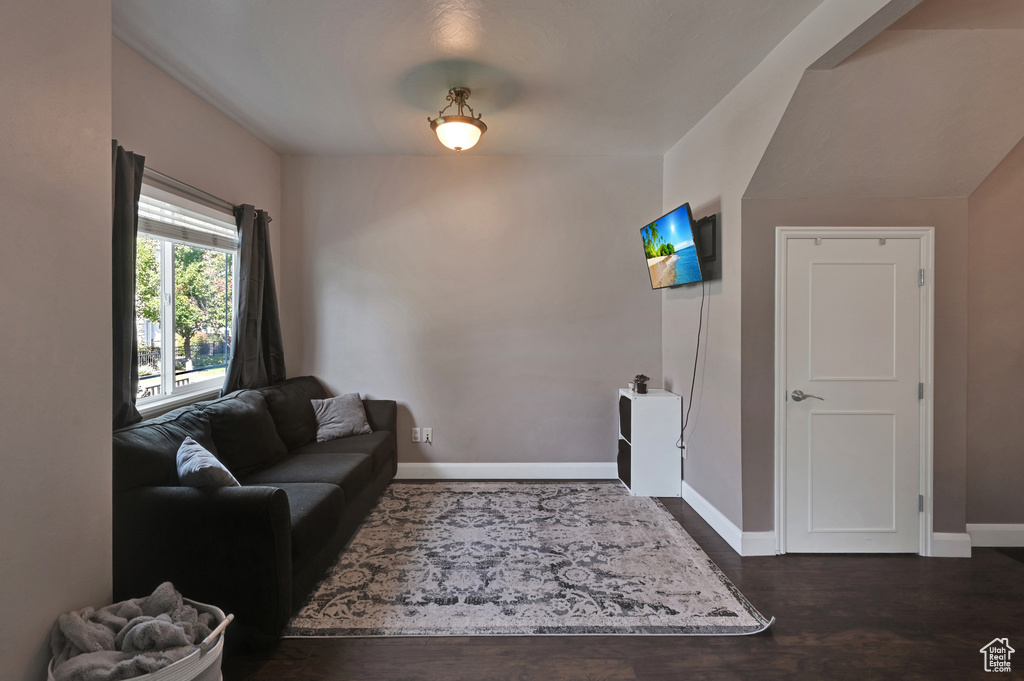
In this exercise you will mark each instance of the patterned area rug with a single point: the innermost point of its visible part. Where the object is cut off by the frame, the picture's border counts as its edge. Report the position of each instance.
(485, 559)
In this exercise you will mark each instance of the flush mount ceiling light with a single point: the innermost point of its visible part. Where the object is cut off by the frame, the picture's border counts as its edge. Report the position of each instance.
(457, 131)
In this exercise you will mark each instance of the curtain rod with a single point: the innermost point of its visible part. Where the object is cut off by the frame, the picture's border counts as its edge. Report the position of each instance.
(192, 192)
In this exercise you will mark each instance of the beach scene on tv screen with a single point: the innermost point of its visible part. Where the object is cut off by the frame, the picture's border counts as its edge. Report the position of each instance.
(671, 253)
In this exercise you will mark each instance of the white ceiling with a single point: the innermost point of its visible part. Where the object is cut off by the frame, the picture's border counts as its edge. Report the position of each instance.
(556, 77)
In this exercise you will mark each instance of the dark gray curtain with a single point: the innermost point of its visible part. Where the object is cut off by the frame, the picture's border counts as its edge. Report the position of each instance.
(127, 178)
(257, 357)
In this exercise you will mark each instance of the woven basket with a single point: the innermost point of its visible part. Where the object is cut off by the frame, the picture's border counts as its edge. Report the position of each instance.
(202, 665)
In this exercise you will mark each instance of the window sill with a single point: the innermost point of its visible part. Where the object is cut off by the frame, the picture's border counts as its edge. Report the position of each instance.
(162, 406)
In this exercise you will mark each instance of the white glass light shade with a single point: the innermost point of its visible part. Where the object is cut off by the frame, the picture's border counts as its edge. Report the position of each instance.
(458, 132)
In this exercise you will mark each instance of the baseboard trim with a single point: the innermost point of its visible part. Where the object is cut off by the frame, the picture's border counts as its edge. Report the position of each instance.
(996, 534)
(725, 528)
(951, 545)
(743, 543)
(508, 471)
(758, 544)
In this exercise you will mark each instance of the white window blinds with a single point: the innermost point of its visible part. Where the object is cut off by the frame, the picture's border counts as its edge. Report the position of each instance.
(175, 223)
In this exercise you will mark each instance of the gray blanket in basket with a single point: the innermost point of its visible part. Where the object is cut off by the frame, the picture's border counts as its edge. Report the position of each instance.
(127, 639)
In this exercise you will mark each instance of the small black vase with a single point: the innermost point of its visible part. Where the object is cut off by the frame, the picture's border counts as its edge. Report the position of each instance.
(641, 388)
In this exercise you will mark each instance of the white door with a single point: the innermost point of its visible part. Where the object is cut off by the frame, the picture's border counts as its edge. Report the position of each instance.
(853, 317)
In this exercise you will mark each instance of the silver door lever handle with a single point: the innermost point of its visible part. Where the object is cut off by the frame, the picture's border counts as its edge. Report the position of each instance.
(800, 396)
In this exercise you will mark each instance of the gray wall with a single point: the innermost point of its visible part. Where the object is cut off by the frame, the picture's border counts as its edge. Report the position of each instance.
(501, 300)
(949, 218)
(711, 168)
(55, 406)
(995, 346)
(184, 137)
(900, 118)
(868, 129)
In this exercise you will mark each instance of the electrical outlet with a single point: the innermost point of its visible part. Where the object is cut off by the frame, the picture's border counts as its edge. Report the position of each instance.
(416, 435)
(428, 435)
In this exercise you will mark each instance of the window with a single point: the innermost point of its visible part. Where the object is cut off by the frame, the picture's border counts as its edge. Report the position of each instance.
(184, 295)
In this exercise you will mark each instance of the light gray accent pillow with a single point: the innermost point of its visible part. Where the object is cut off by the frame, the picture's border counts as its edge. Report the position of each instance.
(197, 467)
(340, 417)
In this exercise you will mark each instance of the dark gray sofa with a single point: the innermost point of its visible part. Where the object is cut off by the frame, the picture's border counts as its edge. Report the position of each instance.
(259, 549)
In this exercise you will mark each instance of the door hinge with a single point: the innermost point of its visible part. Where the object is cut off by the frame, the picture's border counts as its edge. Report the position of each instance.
(920, 503)
(920, 277)
(920, 391)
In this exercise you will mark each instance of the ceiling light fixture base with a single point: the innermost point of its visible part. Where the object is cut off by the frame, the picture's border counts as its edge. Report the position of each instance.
(458, 131)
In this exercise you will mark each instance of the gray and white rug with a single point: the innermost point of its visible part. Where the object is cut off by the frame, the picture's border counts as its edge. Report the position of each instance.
(484, 559)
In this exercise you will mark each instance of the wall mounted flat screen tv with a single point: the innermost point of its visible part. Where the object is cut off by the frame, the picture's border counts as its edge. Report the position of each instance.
(671, 250)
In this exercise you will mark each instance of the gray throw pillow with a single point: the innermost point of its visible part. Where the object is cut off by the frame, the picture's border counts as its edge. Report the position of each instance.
(197, 467)
(340, 417)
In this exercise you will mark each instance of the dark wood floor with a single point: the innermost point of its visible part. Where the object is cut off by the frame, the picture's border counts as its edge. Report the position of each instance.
(837, 617)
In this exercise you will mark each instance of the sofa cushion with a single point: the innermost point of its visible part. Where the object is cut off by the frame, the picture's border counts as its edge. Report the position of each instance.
(381, 414)
(351, 472)
(380, 446)
(244, 432)
(316, 509)
(290, 407)
(145, 453)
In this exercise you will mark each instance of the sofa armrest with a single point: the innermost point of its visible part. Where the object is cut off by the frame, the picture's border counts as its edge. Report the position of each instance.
(382, 414)
(228, 546)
